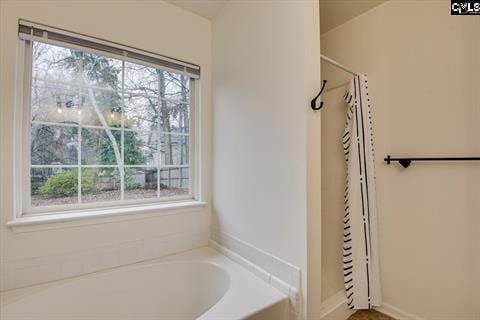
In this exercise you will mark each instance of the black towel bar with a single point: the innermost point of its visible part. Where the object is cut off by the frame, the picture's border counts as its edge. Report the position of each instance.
(406, 161)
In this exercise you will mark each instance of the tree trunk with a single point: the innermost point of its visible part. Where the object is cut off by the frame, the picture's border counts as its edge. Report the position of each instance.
(165, 118)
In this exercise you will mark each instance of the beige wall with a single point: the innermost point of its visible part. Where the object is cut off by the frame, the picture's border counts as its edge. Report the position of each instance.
(266, 67)
(314, 179)
(423, 69)
(150, 25)
(333, 186)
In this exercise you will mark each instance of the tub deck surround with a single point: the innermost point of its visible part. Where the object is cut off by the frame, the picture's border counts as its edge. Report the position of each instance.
(199, 284)
(179, 233)
(271, 269)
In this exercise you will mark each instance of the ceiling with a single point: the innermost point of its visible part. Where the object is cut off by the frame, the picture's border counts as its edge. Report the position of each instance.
(332, 12)
(336, 12)
(205, 8)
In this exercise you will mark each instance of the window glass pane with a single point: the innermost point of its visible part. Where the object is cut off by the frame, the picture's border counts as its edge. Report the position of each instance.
(56, 64)
(141, 148)
(53, 145)
(141, 113)
(54, 103)
(174, 149)
(100, 184)
(100, 108)
(174, 86)
(53, 186)
(118, 117)
(101, 146)
(140, 183)
(141, 79)
(174, 117)
(100, 71)
(174, 182)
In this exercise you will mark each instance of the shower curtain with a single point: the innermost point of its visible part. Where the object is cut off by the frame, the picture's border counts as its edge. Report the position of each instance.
(360, 252)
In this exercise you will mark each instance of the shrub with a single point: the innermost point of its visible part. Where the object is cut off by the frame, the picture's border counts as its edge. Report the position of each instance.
(65, 183)
(130, 182)
(89, 181)
(62, 184)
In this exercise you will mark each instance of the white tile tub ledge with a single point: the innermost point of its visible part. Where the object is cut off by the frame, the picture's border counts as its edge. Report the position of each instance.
(290, 291)
(198, 284)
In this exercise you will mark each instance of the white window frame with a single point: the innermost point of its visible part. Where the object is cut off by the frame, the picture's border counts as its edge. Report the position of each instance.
(22, 123)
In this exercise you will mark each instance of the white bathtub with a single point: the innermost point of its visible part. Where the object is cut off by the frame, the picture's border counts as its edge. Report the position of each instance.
(199, 284)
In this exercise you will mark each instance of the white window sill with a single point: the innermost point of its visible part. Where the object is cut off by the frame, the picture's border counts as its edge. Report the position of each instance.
(96, 216)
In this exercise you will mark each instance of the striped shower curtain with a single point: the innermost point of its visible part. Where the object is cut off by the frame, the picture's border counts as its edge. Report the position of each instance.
(360, 250)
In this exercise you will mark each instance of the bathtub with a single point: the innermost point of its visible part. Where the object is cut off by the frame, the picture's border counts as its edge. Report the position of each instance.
(199, 284)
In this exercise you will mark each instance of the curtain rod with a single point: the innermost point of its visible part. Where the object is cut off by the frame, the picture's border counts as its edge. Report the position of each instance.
(313, 103)
(339, 65)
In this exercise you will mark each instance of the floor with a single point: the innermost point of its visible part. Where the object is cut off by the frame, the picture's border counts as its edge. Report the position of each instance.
(369, 315)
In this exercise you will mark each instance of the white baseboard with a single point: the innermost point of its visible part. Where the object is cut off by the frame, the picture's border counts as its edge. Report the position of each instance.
(335, 308)
(396, 313)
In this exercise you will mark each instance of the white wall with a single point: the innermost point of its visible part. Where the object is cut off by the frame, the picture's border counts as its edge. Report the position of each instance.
(265, 70)
(423, 72)
(48, 254)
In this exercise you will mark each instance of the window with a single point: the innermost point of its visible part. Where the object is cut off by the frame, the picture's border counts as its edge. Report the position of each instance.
(104, 131)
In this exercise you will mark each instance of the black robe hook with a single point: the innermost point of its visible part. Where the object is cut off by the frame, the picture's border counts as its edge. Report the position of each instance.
(313, 103)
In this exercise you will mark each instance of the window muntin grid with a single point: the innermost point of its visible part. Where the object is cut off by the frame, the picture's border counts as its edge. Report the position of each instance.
(127, 125)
